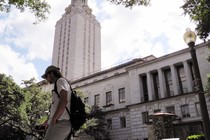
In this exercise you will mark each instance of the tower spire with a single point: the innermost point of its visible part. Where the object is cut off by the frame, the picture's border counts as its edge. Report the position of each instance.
(79, 1)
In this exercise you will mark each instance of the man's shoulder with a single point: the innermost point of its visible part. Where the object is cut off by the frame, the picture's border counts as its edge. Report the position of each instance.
(62, 81)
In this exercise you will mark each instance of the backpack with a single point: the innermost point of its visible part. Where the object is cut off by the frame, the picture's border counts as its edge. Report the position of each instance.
(77, 110)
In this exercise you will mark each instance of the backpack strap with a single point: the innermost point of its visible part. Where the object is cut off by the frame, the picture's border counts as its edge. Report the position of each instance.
(56, 91)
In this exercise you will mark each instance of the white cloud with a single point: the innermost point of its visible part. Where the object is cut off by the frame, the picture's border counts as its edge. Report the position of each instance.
(14, 64)
(37, 39)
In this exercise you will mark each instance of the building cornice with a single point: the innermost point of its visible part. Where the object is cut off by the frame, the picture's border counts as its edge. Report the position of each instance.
(99, 80)
(108, 70)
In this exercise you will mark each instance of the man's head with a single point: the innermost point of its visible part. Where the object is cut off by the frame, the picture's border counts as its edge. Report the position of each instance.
(52, 73)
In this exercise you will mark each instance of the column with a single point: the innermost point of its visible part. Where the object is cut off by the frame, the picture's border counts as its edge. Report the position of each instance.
(134, 87)
(188, 76)
(174, 79)
(149, 86)
(161, 83)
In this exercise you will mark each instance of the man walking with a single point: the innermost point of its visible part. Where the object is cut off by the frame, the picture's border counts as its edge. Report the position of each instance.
(58, 125)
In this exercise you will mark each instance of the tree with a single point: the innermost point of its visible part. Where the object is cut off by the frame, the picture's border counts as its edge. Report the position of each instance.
(130, 3)
(38, 7)
(96, 124)
(11, 98)
(36, 106)
(198, 10)
(21, 108)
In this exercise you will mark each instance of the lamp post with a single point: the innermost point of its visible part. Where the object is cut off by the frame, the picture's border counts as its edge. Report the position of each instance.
(190, 38)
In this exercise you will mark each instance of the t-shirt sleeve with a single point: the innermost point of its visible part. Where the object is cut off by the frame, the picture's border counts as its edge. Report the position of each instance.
(62, 85)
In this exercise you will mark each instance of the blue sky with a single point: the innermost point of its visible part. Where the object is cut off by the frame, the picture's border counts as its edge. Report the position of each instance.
(26, 49)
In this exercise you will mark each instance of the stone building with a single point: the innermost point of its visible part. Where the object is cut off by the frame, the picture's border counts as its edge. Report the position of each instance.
(132, 91)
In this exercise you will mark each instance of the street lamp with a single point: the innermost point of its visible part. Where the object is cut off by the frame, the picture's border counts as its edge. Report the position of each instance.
(190, 38)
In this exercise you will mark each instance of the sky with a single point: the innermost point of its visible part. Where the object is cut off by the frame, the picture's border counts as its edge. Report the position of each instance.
(26, 49)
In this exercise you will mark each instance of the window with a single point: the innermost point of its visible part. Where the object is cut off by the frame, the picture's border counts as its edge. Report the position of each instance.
(185, 111)
(156, 85)
(145, 118)
(109, 123)
(86, 100)
(97, 100)
(108, 98)
(145, 90)
(198, 109)
(121, 95)
(170, 109)
(157, 110)
(122, 122)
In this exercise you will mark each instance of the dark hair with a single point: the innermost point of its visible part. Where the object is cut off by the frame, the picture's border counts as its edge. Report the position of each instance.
(57, 74)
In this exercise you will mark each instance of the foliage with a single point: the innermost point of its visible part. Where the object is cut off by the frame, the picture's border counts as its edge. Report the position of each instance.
(96, 124)
(38, 7)
(199, 12)
(21, 108)
(130, 3)
(80, 93)
(196, 137)
(162, 126)
(36, 104)
(11, 98)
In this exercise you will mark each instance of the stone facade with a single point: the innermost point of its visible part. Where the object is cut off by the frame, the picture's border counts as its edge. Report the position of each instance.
(181, 97)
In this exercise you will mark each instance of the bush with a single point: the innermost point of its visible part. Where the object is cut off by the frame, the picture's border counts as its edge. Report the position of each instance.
(196, 137)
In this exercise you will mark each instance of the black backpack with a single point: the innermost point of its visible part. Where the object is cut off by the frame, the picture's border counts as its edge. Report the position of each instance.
(77, 111)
